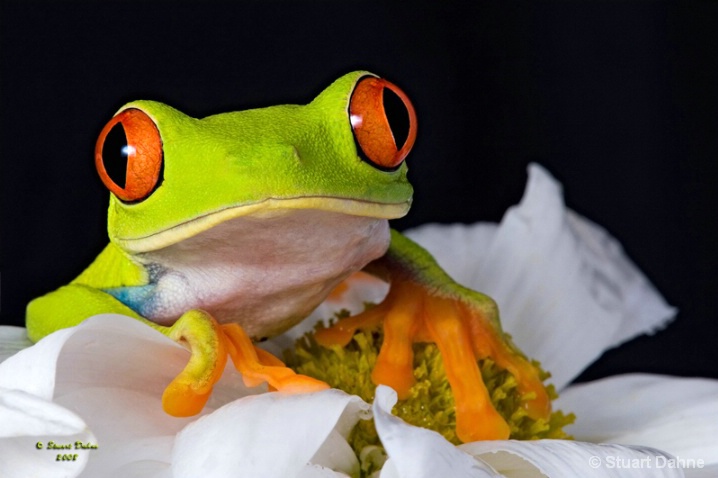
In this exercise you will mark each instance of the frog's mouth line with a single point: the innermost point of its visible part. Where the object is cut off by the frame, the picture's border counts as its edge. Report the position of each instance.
(267, 208)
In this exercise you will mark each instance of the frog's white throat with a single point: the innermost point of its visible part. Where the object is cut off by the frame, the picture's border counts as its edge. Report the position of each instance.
(266, 272)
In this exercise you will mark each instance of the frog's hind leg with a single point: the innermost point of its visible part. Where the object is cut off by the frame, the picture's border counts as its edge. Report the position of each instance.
(425, 305)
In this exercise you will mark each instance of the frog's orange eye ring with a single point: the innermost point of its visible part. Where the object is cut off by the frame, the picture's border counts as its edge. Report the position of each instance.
(128, 155)
(373, 132)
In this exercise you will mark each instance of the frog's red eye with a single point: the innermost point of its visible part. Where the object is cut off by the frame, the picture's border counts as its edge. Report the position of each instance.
(128, 155)
(380, 114)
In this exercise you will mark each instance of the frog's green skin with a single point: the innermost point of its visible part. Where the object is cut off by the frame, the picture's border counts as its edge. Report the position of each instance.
(260, 214)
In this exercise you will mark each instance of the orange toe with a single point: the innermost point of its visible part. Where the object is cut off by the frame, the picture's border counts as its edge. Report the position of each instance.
(209, 344)
(256, 367)
(465, 328)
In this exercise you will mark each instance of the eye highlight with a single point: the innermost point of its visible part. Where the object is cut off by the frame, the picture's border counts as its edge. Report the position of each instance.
(128, 155)
(379, 113)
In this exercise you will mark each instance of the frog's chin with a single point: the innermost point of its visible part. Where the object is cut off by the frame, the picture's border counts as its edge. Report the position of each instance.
(264, 209)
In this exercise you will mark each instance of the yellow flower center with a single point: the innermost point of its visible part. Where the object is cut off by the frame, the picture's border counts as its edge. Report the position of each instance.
(431, 402)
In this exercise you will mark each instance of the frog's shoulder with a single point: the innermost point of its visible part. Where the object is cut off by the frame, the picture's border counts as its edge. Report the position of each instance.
(112, 268)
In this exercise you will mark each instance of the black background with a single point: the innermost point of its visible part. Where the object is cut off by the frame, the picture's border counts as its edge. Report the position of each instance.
(618, 100)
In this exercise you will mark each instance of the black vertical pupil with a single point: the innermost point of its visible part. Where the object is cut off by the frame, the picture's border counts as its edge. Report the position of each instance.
(114, 155)
(397, 115)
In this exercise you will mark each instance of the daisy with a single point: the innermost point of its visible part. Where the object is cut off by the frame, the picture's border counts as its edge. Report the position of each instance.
(86, 401)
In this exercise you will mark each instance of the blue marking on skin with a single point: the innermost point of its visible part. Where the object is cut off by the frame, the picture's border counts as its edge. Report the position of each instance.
(137, 298)
(140, 298)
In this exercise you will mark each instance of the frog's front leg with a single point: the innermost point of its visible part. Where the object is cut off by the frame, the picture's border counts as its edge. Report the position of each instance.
(425, 305)
(208, 341)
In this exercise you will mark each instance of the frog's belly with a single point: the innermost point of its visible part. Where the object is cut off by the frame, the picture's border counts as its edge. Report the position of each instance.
(264, 273)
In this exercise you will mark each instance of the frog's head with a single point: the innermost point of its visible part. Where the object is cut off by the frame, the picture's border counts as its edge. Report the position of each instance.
(172, 176)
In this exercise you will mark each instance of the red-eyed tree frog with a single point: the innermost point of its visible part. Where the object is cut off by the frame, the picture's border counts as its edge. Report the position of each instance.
(232, 228)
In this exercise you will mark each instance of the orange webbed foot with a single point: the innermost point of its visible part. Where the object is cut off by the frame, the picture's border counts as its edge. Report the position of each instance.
(209, 344)
(464, 326)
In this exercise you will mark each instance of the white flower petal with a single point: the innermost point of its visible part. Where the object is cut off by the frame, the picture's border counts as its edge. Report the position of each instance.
(103, 406)
(362, 288)
(110, 351)
(32, 370)
(272, 435)
(561, 458)
(641, 306)
(417, 452)
(83, 356)
(318, 471)
(25, 414)
(138, 458)
(708, 471)
(112, 370)
(118, 352)
(12, 340)
(678, 415)
(457, 247)
(29, 424)
(565, 289)
(335, 453)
